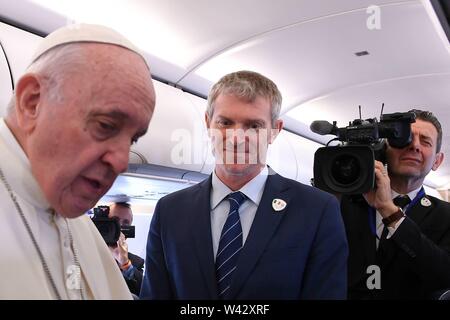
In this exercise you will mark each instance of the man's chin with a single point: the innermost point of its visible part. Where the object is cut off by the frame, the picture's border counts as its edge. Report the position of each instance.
(241, 169)
(74, 209)
(409, 173)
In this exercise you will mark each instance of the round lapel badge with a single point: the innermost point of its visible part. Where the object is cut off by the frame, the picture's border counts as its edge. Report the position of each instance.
(425, 202)
(278, 204)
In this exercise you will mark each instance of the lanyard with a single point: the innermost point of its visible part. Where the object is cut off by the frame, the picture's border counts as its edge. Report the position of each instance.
(372, 211)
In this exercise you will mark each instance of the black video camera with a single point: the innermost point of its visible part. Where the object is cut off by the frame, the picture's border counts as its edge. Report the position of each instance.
(110, 228)
(349, 168)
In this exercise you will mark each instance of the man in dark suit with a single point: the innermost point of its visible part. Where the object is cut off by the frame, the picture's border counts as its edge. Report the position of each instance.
(245, 232)
(399, 237)
(130, 264)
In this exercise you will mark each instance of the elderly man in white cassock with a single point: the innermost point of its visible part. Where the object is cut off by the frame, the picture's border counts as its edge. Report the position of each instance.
(84, 99)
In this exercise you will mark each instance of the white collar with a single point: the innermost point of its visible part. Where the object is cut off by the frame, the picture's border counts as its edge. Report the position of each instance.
(411, 194)
(17, 170)
(252, 189)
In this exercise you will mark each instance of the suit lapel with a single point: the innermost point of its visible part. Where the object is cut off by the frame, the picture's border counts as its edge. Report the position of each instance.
(201, 220)
(262, 230)
(417, 213)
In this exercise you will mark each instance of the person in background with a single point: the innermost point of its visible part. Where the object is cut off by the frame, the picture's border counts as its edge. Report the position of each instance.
(84, 99)
(130, 264)
(399, 237)
(245, 232)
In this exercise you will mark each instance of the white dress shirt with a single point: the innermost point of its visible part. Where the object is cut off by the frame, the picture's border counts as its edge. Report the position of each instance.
(379, 218)
(247, 211)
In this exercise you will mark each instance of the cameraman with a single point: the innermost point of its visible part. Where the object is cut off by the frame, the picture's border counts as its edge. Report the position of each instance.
(411, 246)
(131, 265)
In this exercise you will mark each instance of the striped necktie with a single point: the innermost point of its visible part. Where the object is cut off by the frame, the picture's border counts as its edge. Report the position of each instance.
(230, 245)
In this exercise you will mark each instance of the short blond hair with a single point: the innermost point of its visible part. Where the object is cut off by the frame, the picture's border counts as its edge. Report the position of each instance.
(247, 85)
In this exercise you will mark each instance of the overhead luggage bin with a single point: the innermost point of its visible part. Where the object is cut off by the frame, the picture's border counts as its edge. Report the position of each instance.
(175, 136)
(19, 46)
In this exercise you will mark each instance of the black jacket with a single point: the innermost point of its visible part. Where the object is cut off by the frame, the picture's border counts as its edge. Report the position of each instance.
(416, 259)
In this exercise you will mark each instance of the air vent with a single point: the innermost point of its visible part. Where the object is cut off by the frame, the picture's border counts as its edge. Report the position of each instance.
(361, 53)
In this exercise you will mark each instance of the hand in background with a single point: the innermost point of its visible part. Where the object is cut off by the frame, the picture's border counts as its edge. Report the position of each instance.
(120, 252)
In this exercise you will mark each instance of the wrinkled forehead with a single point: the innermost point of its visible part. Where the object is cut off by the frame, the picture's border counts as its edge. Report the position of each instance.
(117, 71)
(259, 106)
(424, 128)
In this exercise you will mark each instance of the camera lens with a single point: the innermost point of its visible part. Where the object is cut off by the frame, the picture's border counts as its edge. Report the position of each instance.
(345, 169)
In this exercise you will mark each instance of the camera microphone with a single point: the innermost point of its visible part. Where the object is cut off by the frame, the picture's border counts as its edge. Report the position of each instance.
(322, 127)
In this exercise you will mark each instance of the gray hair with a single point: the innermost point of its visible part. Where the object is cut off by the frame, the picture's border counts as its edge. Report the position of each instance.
(428, 116)
(54, 67)
(247, 85)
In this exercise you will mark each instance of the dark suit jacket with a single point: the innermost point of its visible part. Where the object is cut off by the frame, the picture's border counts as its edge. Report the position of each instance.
(135, 282)
(416, 262)
(298, 253)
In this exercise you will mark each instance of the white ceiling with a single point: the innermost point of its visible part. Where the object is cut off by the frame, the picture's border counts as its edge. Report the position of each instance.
(306, 47)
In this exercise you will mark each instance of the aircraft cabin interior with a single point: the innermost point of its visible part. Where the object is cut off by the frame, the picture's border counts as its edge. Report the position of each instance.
(332, 61)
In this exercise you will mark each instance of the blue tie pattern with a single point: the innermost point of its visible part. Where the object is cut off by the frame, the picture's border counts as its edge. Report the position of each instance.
(230, 245)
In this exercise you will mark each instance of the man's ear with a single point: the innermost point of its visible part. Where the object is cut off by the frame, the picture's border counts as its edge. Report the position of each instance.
(438, 161)
(28, 95)
(275, 130)
(208, 124)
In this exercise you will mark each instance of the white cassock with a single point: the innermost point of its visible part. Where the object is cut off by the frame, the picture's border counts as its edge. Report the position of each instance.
(78, 259)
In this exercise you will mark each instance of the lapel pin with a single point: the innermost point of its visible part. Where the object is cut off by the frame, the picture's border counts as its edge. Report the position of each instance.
(278, 204)
(425, 202)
